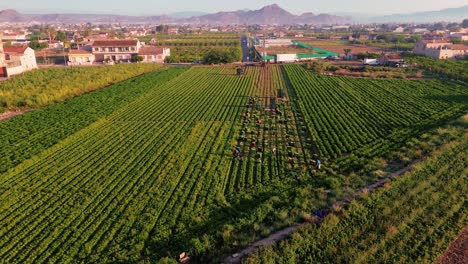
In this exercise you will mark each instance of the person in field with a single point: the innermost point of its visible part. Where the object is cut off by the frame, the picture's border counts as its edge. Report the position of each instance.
(236, 152)
(273, 151)
(318, 164)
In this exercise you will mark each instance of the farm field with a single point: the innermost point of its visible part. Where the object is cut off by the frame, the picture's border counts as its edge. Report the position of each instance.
(43, 87)
(30, 134)
(192, 47)
(411, 219)
(154, 175)
(340, 46)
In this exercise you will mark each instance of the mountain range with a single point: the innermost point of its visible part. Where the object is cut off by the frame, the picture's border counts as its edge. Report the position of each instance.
(447, 15)
(271, 14)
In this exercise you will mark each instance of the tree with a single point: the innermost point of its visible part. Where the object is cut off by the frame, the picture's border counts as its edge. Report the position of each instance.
(51, 32)
(88, 32)
(35, 45)
(465, 23)
(139, 59)
(60, 36)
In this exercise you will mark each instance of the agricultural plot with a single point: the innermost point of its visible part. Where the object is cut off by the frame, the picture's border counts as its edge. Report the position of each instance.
(411, 220)
(115, 188)
(156, 175)
(274, 141)
(24, 136)
(367, 117)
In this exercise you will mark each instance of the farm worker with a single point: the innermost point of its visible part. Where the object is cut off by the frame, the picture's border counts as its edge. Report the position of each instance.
(236, 151)
(273, 151)
(318, 164)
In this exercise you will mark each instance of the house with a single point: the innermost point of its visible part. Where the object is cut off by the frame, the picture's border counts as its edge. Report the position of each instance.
(399, 30)
(459, 36)
(12, 36)
(2, 59)
(422, 46)
(154, 54)
(19, 59)
(391, 60)
(56, 45)
(419, 30)
(116, 50)
(80, 57)
(440, 49)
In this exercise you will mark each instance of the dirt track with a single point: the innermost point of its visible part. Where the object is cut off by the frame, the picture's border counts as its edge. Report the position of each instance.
(10, 114)
(284, 233)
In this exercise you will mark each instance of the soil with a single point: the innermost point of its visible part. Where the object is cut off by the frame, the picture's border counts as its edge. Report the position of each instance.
(457, 252)
(10, 114)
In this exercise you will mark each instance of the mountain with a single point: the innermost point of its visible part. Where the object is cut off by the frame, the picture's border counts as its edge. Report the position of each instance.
(447, 15)
(271, 14)
(187, 14)
(10, 15)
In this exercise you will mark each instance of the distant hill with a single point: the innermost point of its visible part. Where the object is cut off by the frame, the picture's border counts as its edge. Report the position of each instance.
(272, 14)
(10, 15)
(187, 14)
(447, 15)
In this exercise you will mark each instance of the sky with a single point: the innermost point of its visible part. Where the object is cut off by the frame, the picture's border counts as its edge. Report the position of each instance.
(156, 7)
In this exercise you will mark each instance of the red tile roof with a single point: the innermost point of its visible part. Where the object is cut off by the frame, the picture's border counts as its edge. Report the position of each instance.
(79, 52)
(15, 49)
(435, 41)
(459, 47)
(115, 42)
(150, 51)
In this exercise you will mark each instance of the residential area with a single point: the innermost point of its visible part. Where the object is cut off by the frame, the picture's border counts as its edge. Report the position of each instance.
(88, 44)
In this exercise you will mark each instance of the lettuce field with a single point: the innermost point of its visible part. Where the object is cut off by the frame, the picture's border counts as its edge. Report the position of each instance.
(203, 161)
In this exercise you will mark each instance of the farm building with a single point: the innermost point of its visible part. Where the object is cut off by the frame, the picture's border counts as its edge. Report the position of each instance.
(440, 49)
(116, 50)
(80, 57)
(16, 60)
(154, 54)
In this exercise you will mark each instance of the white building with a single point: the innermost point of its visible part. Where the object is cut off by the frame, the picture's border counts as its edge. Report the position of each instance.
(19, 59)
(154, 54)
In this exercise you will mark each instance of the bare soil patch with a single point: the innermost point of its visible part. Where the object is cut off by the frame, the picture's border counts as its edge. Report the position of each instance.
(11, 114)
(457, 252)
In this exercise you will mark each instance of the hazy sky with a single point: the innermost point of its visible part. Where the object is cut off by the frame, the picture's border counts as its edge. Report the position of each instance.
(147, 7)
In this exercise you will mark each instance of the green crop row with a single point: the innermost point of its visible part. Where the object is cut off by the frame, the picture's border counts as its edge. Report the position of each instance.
(127, 183)
(27, 135)
(411, 220)
(347, 114)
(43, 87)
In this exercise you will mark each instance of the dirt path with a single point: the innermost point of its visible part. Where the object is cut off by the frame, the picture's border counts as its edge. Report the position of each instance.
(457, 251)
(282, 234)
(10, 114)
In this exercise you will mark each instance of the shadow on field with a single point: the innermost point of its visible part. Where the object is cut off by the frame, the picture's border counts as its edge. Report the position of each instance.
(449, 98)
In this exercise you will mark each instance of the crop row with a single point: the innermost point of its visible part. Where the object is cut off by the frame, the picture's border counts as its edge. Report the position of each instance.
(412, 219)
(346, 114)
(24, 136)
(120, 187)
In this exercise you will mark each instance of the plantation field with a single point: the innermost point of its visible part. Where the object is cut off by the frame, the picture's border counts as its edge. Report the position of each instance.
(364, 116)
(411, 220)
(146, 169)
(43, 87)
(194, 47)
